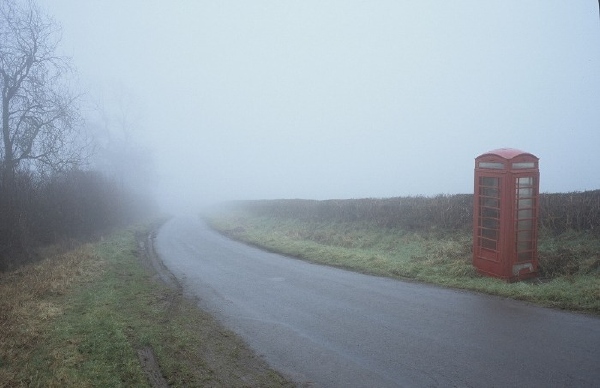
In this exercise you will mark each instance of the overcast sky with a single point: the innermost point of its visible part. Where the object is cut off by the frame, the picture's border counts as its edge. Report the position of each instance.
(344, 99)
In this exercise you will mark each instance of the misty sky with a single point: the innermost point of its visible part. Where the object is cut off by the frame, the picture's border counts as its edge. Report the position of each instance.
(343, 99)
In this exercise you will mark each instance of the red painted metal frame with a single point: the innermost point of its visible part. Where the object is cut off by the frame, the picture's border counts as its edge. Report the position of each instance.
(499, 225)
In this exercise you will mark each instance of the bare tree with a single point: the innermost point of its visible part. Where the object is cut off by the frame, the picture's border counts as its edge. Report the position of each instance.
(39, 113)
(40, 117)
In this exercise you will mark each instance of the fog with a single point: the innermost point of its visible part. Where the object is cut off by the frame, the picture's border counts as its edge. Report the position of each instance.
(340, 99)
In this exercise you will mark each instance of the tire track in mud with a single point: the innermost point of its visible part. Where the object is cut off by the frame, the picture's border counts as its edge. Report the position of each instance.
(150, 260)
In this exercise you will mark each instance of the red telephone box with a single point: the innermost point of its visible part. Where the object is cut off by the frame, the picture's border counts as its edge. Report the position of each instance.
(505, 214)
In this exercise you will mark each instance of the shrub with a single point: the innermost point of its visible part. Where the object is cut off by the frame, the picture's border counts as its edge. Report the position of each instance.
(577, 211)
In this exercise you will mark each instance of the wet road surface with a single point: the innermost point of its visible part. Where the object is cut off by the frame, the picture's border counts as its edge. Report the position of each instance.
(327, 327)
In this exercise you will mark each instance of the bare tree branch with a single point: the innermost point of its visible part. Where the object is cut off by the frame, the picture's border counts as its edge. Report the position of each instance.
(40, 116)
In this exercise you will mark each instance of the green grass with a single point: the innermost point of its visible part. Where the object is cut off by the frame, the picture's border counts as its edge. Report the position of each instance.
(571, 261)
(88, 317)
(94, 342)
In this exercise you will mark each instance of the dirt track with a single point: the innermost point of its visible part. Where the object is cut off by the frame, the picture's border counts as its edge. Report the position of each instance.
(146, 355)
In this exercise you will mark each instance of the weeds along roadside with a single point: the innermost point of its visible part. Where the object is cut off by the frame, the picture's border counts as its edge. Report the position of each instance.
(81, 319)
(571, 260)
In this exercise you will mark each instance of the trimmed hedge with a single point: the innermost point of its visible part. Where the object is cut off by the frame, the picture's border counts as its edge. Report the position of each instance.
(558, 212)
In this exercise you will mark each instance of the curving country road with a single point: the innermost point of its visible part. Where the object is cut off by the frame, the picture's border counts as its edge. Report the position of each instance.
(327, 327)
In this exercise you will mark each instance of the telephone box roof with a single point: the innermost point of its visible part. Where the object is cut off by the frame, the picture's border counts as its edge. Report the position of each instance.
(507, 153)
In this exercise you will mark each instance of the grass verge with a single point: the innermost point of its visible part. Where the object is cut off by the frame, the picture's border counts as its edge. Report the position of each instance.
(85, 318)
(571, 261)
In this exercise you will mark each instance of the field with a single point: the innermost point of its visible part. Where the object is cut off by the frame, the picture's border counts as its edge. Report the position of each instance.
(96, 315)
(428, 239)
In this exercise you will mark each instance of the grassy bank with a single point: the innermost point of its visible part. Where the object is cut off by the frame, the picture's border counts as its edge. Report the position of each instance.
(97, 316)
(435, 256)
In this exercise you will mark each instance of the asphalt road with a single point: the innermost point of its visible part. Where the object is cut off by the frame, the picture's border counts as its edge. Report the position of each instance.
(327, 327)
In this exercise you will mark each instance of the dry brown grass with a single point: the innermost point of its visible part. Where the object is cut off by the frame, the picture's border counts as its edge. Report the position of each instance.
(30, 299)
